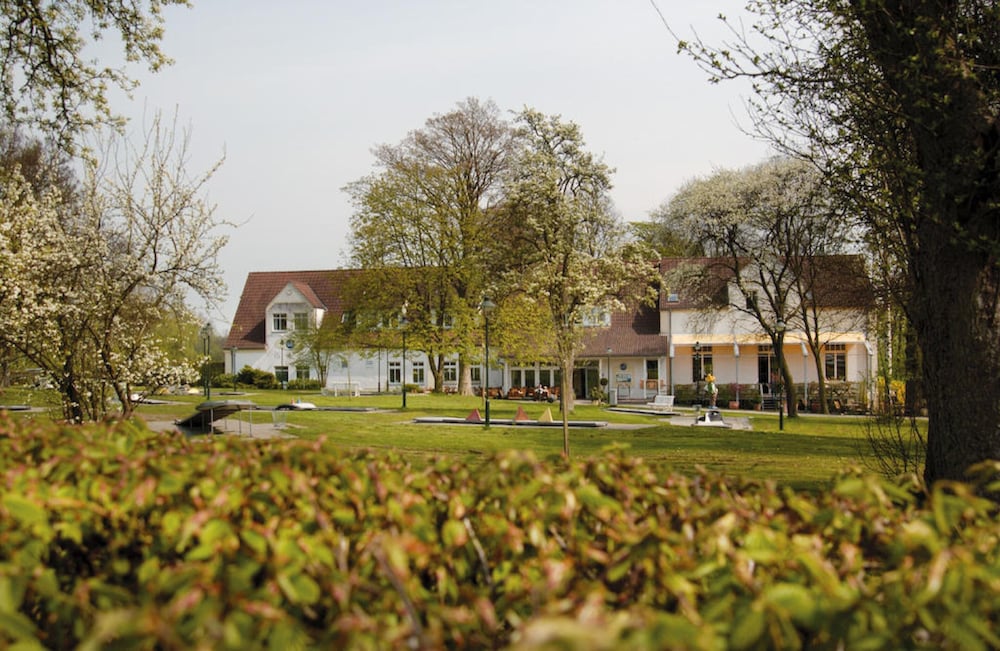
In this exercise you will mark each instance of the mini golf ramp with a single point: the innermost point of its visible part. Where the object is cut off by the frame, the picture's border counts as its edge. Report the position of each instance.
(212, 410)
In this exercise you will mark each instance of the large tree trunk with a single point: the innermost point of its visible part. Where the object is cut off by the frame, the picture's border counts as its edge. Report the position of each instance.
(566, 399)
(465, 377)
(952, 139)
(957, 313)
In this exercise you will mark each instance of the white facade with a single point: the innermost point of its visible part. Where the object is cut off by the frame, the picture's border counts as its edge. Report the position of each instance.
(639, 357)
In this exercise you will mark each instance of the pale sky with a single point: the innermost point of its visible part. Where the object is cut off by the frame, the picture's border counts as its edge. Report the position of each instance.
(297, 93)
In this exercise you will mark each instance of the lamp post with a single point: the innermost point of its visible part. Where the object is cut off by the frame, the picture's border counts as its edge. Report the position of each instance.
(487, 306)
(779, 328)
(402, 368)
(805, 375)
(206, 340)
(699, 371)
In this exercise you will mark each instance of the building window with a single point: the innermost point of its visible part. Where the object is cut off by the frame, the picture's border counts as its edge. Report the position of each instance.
(835, 361)
(281, 374)
(652, 369)
(447, 321)
(280, 322)
(301, 320)
(547, 376)
(418, 373)
(701, 363)
(477, 374)
(450, 371)
(301, 372)
(395, 373)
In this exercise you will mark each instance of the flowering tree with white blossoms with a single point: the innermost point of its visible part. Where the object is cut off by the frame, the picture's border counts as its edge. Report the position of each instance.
(87, 279)
(572, 254)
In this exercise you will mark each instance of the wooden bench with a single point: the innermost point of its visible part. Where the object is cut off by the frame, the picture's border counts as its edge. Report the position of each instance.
(662, 403)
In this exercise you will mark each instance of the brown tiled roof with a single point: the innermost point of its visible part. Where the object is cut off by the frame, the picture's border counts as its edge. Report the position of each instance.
(710, 285)
(841, 282)
(321, 288)
(631, 333)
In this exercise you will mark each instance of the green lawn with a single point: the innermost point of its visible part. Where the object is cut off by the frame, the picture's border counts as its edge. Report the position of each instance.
(807, 454)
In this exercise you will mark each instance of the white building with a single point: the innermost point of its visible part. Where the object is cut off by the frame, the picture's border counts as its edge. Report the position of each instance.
(668, 348)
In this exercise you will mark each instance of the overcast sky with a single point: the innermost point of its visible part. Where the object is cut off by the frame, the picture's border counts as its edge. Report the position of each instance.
(296, 93)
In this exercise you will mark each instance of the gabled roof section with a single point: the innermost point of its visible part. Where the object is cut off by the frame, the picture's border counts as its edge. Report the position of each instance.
(309, 294)
(322, 289)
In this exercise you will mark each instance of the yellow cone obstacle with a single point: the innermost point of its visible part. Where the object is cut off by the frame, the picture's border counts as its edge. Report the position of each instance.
(546, 417)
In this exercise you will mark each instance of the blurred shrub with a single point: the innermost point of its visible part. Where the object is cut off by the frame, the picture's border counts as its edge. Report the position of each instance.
(304, 385)
(253, 377)
(114, 537)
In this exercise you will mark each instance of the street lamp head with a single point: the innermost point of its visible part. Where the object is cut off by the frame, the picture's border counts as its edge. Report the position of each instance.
(697, 346)
(487, 306)
(780, 325)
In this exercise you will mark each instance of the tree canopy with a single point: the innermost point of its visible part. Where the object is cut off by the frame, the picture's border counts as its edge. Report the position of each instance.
(776, 230)
(422, 227)
(46, 77)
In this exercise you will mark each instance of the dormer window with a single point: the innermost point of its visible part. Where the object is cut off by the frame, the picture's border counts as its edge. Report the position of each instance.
(594, 318)
(447, 321)
(279, 322)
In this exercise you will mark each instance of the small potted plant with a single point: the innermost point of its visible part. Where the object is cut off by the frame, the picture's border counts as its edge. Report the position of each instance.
(734, 396)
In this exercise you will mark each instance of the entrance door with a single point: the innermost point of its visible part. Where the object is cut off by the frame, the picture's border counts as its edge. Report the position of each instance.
(585, 378)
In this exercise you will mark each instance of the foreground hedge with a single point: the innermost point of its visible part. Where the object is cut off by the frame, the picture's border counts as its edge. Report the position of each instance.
(113, 537)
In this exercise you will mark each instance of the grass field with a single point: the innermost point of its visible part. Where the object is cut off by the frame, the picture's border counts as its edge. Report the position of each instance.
(805, 455)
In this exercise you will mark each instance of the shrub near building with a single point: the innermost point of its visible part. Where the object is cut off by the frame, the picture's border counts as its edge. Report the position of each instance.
(111, 535)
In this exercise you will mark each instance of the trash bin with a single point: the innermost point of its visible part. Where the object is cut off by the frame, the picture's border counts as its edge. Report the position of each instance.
(612, 397)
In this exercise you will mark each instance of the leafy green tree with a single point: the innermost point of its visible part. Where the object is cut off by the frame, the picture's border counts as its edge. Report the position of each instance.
(320, 343)
(426, 210)
(568, 249)
(46, 77)
(666, 237)
(898, 100)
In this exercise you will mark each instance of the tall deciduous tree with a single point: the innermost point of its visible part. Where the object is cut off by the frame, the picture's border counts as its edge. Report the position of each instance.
(898, 99)
(568, 249)
(46, 77)
(426, 210)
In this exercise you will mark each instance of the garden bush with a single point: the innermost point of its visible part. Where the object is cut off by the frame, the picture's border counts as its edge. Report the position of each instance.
(224, 381)
(253, 377)
(302, 384)
(114, 537)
